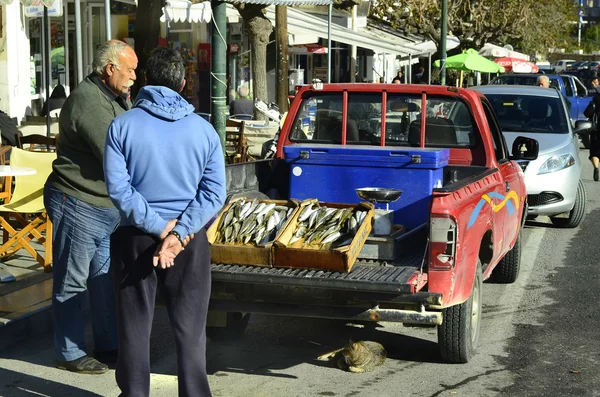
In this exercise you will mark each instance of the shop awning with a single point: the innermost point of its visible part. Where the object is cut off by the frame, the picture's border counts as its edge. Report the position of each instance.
(284, 2)
(307, 49)
(185, 11)
(303, 23)
(493, 51)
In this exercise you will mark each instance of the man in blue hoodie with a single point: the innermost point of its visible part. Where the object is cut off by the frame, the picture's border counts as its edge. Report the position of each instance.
(164, 168)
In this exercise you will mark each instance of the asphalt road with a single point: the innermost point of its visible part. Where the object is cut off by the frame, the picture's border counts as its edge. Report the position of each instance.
(539, 338)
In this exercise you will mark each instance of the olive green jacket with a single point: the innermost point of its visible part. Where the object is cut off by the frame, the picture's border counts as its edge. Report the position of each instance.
(83, 125)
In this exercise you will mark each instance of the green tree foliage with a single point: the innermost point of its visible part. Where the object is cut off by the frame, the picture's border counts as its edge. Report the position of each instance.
(591, 38)
(530, 25)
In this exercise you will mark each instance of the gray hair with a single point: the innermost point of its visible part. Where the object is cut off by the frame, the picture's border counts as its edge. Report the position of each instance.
(243, 91)
(542, 78)
(108, 52)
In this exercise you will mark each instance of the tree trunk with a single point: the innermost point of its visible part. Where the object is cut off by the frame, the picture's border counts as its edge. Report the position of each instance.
(259, 30)
(147, 32)
(282, 58)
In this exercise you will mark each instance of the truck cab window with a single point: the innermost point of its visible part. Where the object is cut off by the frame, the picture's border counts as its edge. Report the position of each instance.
(498, 138)
(568, 86)
(319, 120)
(581, 90)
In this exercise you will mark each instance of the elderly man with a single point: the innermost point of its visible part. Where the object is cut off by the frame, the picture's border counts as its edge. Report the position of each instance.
(543, 81)
(242, 105)
(82, 214)
(180, 193)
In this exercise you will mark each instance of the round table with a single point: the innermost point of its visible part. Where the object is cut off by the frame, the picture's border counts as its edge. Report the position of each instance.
(7, 170)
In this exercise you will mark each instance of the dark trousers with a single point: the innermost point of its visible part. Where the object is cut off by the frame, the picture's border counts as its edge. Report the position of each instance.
(186, 289)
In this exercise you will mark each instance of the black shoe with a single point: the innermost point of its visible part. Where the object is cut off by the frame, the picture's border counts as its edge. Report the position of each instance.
(106, 356)
(83, 365)
(596, 176)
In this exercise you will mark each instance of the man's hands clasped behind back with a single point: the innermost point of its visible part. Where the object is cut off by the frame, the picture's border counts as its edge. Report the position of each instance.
(170, 246)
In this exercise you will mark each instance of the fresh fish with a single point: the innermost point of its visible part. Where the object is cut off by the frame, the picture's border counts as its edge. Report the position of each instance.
(307, 211)
(301, 231)
(228, 233)
(332, 237)
(259, 208)
(294, 239)
(253, 206)
(281, 208)
(272, 222)
(312, 220)
(352, 223)
(228, 218)
(267, 209)
(259, 235)
(342, 241)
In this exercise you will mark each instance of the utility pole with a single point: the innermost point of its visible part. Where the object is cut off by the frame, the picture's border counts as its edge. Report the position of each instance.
(353, 48)
(282, 57)
(444, 35)
(218, 68)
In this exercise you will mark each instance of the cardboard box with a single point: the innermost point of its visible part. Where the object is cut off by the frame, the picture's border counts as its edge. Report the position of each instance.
(249, 254)
(340, 259)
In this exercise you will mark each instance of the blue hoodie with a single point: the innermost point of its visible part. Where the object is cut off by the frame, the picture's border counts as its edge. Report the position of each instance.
(163, 162)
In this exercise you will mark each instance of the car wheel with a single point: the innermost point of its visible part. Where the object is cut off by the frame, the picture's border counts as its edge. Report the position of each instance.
(577, 213)
(507, 270)
(458, 336)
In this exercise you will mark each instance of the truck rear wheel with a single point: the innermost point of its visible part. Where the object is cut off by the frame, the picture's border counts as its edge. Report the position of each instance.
(577, 213)
(458, 336)
(235, 325)
(507, 270)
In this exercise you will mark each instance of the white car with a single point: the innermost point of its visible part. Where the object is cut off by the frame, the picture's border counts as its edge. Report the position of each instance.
(553, 180)
(562, 64)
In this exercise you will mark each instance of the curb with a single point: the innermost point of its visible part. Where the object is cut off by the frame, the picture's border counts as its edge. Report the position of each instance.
(32, 323)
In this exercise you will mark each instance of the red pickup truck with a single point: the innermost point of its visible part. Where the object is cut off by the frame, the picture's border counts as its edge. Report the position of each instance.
(472, 215)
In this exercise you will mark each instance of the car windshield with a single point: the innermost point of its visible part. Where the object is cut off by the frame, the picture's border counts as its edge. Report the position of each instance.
(521, 80)
(527, 113)
(448, 123)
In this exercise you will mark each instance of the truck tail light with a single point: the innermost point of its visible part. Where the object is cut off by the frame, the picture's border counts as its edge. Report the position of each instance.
(442, 242)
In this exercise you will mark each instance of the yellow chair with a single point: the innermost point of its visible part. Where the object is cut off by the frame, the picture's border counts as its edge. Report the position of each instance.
(26, 206)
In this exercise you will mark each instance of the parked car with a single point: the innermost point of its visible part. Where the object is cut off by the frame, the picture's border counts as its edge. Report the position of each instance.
(593, 65)
(552, 180)
(546, 69)
(562, 64)
(578, 65)
(569, 85)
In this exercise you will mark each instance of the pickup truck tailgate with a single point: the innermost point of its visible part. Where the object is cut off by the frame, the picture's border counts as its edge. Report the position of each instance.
(403, 276)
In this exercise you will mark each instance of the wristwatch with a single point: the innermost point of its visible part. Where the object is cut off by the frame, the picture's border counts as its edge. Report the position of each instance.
(174, 233)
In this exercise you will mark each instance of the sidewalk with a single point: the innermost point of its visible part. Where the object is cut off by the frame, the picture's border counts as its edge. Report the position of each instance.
(25, 303)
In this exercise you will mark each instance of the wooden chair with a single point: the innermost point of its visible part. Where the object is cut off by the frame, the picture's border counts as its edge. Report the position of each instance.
(36, 142)
(236, 147)
(5, 181)
(27, 209)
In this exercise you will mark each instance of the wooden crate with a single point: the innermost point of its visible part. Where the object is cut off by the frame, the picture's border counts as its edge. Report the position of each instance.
(259, 255)
(341, 259)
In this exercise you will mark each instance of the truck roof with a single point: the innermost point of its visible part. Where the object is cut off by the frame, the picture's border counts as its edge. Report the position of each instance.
(380, 87)
(518, 90)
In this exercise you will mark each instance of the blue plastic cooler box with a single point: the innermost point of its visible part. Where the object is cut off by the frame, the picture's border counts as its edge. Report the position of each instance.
(331, 173)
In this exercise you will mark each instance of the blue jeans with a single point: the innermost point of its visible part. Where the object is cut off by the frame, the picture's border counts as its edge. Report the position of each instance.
(81, 262)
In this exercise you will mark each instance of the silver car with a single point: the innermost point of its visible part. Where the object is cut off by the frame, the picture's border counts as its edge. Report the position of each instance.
(553, 180)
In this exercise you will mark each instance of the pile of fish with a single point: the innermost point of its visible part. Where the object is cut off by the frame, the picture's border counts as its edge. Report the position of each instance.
(251, 222)
(322, 227)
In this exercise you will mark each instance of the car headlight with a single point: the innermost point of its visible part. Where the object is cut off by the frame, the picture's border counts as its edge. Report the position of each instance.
(556, 163)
